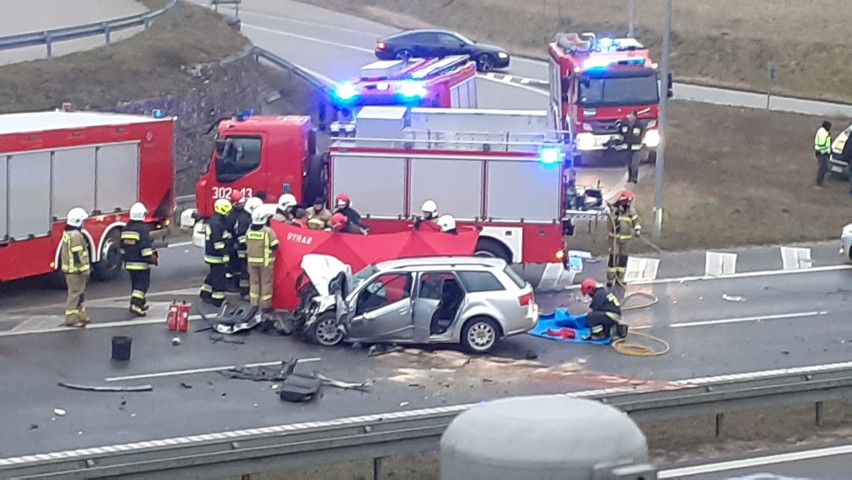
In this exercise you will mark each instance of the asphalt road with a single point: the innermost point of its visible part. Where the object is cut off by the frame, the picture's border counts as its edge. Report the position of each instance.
(830, 463)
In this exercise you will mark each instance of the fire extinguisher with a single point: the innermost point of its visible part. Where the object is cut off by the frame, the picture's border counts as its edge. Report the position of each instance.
(183, 318)
(172, 319)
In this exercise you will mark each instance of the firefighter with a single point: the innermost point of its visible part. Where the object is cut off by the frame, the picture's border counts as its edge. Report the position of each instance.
(354, 224)
(623, 226)
(339, 223)
(237, 223)
(139, 255)
(284, 212)
(261, 244)
(604, 319)
(216, 254)
(631, 134)
(318, 215)
(822, 150)
(429, 210)
(74, 259)
(447, 224)
(300, 218)
(253, 204)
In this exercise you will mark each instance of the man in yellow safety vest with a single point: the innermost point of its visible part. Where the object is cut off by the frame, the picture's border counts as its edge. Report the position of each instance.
(74, 259)
(623, 226)
(822, 150)
(261, 243)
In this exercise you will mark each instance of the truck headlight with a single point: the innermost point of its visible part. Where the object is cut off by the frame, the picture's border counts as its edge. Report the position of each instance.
(652, 138)
(585, 141)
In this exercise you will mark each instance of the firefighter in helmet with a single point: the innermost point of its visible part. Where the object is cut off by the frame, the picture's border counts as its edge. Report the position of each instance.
(623, 226)
(604, 319)
(286, 205)
(261, 243)
(139, 255)
(429, 211)
(237, 222)
(354, 224)
(339, 223)
(74, 261)
(447, 224)
(216, 257)
(318, 215)
(632, 133)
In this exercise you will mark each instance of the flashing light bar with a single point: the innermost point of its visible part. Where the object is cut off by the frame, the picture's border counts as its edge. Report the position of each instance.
(346, 92)
(600, 62)
(550, 155)
(412, 89)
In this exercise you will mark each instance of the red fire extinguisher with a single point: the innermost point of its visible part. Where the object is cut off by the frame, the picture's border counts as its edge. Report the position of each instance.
(183, 317)
(172, 319)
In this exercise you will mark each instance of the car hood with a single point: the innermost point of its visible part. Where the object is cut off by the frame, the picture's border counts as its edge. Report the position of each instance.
(490, 48)
(321, 269)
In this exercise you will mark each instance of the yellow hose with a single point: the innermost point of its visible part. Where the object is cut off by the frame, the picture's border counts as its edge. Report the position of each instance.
(637, 349)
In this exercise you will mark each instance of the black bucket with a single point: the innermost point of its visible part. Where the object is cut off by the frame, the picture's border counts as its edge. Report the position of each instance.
(121, 348)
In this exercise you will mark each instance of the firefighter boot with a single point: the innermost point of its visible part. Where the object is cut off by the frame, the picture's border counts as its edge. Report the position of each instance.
(138, 310)
(619, 331)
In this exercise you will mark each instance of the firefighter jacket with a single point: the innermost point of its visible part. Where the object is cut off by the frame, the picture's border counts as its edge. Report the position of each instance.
(136, 246)
(217, 238)
(74, 252)
(261, 243)
(238, 223)
(623, 223)
(822, 142)
(318, 220)
(605, 301)
(283, 217)
(632, 133)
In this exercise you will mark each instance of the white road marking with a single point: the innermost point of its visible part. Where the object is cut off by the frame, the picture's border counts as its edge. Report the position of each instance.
(120, 323)
(100, 301)
(176, 373)
(761, 273)
(516, 85)
(180, 244)
(725, 321)
(313, 24)
(755, 462)
(310, 39)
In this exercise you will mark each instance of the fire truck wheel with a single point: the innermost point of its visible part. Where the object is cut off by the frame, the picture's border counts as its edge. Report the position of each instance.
(316, 179)
(480, 334)
(488, 247)
(57, 280)
(325, 332)
(404, 55)
(485, 62)
(110, 264)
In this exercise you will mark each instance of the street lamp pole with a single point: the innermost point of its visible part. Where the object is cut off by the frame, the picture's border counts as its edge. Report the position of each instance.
(631, 9)
(664, 134)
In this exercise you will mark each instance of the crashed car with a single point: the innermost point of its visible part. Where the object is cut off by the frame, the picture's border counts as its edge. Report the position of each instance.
(472, 301)
(846, 242)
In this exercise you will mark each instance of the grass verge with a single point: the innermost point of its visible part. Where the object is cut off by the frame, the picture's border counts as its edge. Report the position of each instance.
(723, 42)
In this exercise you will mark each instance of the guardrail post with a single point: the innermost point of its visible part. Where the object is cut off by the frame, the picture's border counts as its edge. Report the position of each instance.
(147, 24)
(377, 468)
(107, 36)
(48, 42)
(720, 425)
(818, 416)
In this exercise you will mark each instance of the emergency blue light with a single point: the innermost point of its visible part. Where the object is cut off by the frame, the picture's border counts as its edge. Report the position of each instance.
(157, 113)
(242, 116)
(596, 62)
(345, 92)
(605, 43)
(550, 155)
(412, 89)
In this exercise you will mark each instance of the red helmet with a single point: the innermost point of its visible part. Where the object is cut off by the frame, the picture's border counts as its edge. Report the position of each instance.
(589, 286)
(342, 198)
(237, 197)
(339, 221)
(626, 196)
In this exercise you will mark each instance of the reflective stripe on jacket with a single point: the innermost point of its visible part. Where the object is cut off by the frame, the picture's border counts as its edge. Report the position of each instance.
(822, 141)
(136, 246)
(74, 252)
(623, 224)
(260, 246)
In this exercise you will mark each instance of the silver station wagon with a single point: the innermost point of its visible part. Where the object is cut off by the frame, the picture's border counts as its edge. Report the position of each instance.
(472, 301)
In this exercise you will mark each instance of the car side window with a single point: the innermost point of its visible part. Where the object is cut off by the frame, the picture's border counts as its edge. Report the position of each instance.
(447, 40)
(384, 290)
(423, 39)
(431, 283)
(480, 282)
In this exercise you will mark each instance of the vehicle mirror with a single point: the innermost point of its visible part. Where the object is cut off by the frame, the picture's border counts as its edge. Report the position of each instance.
(462, 44)
(220, 146)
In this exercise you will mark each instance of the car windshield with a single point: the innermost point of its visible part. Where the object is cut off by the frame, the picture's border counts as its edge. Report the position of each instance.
(618, 91)
(363, 275)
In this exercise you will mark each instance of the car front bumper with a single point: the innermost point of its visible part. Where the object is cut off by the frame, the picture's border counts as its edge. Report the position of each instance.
(846, 243)
(838, 166)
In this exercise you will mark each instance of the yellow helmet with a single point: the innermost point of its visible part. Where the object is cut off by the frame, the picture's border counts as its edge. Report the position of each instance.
(222, 206)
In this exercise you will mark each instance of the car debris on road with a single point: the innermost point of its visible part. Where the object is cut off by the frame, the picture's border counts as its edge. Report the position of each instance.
(91, 388)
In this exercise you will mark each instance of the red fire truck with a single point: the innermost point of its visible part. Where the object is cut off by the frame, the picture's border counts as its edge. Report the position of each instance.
(596, 82)
(51, 162)
(508, 182)
(438, 82)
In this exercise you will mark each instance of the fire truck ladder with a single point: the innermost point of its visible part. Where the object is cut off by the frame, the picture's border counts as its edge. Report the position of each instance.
(439, 66)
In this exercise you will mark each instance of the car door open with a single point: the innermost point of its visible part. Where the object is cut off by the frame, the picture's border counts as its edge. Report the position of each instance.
(381, 309)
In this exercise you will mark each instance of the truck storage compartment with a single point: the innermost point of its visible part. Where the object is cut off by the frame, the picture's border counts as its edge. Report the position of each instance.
(28, 193)
(376, 184)
(117, 177)
(448, 182)
(73, 166)
(536, 199)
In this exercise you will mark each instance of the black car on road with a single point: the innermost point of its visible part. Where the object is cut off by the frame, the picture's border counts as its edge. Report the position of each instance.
(440, 43)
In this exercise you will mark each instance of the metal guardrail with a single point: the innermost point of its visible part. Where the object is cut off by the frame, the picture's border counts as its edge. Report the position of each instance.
(284, 64)
(49, 37)
(399, 433)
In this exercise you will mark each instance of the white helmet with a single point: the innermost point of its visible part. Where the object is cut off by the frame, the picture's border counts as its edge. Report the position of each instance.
(252, 204)
(446, 222)
(430, 207)
(259, 217)
(286, 201)
(138, 212)
(76, 217)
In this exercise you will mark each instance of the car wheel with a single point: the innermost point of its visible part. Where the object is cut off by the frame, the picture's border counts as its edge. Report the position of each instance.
(480, 334)
(485, 63)
(488, 247)
(404, 55)
(325, 332)
(110, 264)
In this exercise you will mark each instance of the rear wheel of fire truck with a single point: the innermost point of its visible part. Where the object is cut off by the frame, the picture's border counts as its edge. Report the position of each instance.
(480, 334)
(324, 331)
(57, 280)
(316, 179)
(110, 264)
(404, 55)
(488, 247)
(485, 62)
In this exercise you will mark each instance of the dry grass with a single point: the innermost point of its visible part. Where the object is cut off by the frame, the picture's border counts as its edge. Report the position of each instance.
(725, 42)
(145, 66)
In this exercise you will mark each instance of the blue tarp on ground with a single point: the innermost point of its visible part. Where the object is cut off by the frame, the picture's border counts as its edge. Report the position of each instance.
(561, 325)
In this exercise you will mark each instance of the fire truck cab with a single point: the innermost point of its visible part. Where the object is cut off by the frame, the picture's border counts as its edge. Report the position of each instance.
(596, 82)
(448, 82)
